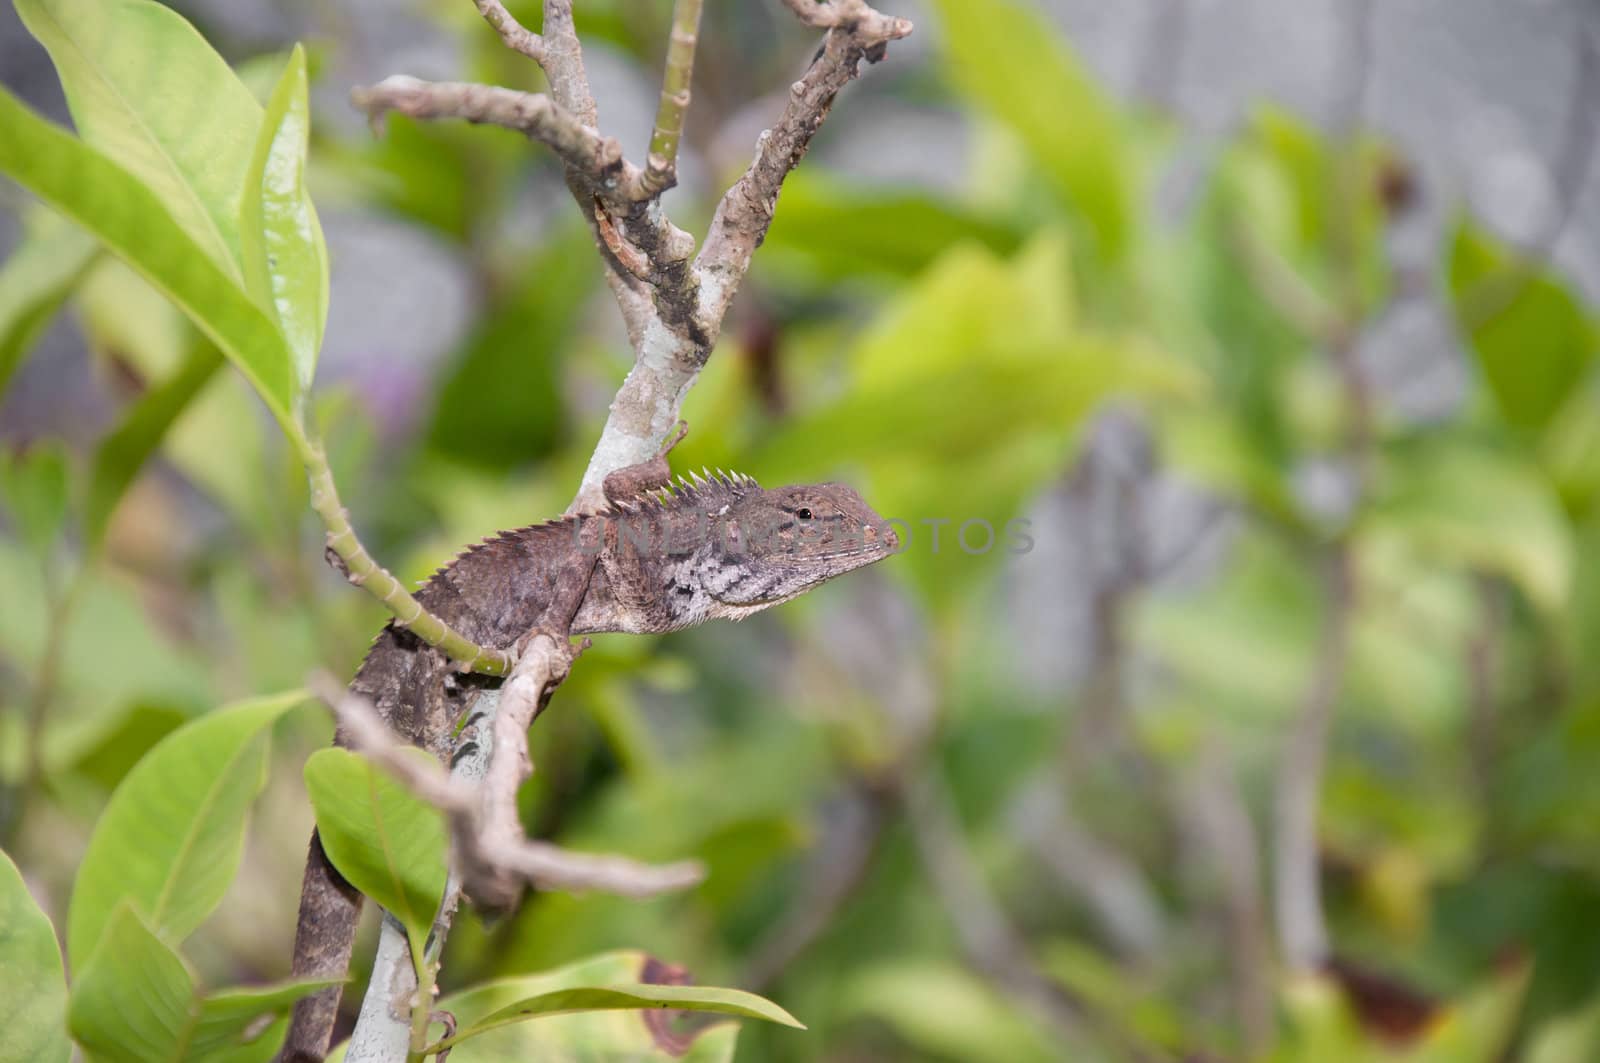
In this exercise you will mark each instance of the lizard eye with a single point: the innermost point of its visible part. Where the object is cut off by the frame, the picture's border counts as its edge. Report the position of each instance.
(803, 513)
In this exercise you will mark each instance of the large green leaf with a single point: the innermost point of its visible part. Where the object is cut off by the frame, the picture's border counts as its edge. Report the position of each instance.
(33, 1009)
(1478, 508)
(1532, 338)
(123, 452)
(640, 1032)
(285, 258)
(1004, 55)
(170, 838)
(388, 843)
(136, 1001)
(130, 999)
(148, 91)
(112, 204)
(53, 255)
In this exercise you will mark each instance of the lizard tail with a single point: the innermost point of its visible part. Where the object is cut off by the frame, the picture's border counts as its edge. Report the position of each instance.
(323, 940)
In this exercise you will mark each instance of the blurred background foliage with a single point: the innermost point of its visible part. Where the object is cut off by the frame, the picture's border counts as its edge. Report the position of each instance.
(1022, 802)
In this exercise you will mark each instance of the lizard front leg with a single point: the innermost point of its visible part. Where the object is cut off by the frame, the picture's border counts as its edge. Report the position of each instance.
(577, 570)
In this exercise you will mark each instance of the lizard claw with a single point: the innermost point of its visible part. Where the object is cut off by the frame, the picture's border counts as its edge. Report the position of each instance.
(667, 447)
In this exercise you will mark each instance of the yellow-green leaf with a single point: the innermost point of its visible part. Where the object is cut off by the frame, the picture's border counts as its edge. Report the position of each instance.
(128, 218)
(285, 258)
(148, 91)
(33, 1010)
(170, 838)
(388, 843)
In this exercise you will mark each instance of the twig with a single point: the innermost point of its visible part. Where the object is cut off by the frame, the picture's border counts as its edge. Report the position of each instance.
(661, 166)
(856, 34)
(516, 37)
(598, 158)
(360, 569)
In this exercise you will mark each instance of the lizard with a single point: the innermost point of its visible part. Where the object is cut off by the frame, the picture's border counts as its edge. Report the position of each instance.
(661, 556)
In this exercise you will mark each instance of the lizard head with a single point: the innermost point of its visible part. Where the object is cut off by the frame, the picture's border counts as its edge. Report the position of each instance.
(776, 544)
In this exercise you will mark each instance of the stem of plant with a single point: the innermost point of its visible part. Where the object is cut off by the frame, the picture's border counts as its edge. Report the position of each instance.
(661, 168)
(379, 582)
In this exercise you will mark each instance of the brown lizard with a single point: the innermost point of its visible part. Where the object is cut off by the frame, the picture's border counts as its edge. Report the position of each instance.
(661, 557)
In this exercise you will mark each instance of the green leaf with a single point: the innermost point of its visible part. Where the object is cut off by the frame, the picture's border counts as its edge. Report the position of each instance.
(1532, 338)
(136, 1000)
(34, 485)
(628, 998)
(33, 1010)
(130, 1000)
(148, 91)
(1007, 57)
(123, 452)
(638, 1032)
(113, 205)
(1480, 509)
(220, 1018)
(388, 843)
(285, 257)
(171, 835)
(53, 256)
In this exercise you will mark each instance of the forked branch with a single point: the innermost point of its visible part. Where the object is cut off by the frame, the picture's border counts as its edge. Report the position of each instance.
(487, 840)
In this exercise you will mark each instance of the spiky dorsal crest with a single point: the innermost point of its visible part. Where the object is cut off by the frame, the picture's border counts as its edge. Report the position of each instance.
(701, 488)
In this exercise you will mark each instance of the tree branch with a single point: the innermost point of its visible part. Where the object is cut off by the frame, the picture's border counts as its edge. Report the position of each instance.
(598, 158)
(855, 33)
(486, 837)
(516, 37)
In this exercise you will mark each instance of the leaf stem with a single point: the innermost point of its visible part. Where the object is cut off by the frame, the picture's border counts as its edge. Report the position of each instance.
(364, 572)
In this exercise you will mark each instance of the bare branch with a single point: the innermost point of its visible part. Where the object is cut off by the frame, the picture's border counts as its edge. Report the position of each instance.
(661, 167)
(563, 62)
(856, 33)
(598, 158)
(852, 15)
(486, 836)
(516, 36)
